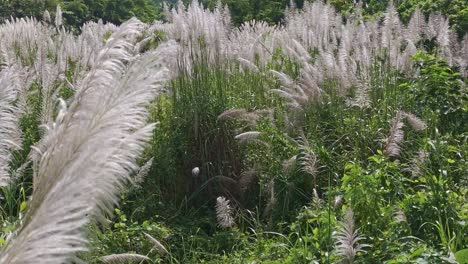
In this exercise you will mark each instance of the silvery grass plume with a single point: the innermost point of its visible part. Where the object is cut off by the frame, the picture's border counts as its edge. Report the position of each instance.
(416, 26)
(253, 41)
(292, 93)
(248, 65)
(271, 203)
(139, 178)
(86, 157)
(308, 158)
(189, 25)
(249, 136)
(362, 98)
(224, 213)
(10, 134)
(240, 114)
(415, 122)
(337, 201)
(347, 238)
(316, 200)
(416, 165)
(124, 258)
(300, 93)
(46, 16)
(394, 140)
(156, 244)
(58, 16)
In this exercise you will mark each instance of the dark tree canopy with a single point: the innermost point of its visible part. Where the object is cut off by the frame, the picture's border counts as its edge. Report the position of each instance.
(76, 12)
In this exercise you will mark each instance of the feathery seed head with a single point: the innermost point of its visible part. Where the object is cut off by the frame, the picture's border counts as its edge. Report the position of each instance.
(347, 238)
(224, 213)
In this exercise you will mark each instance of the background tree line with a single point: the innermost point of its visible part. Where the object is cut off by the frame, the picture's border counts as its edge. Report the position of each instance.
(76, 12)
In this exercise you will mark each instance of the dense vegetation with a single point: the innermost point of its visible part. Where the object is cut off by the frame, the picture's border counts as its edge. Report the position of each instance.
(335, 137)
(77, 12)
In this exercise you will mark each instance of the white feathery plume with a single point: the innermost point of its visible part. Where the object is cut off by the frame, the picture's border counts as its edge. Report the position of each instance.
(10, 133)
(307, 159)
(406, 63)
(246, 64)
(416, 26)
(443, 38)
(156, 244)
(347, 238)
(337, 201)
(316, 200)
(240, 114)
(89, 154)
(417, 163)
(301, 94)
(142, 173)
(396, 136)
(46, 16)
(58, 16)
(232, 113)
(361, 99)
(416, 123)
(391, 26)
(284, 79)
(291, 9)
(124, 258)
(224, 213)
(248, 136)
(433, 24)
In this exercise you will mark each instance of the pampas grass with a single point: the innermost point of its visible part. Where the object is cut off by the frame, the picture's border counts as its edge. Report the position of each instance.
(10, 135)
(124, 258)
(94, 135)
(396, 136)
(142, 173)
(416, 123)
(247, 137)
(224, 213)
(347, 238)
(88, 154)
(156, 244)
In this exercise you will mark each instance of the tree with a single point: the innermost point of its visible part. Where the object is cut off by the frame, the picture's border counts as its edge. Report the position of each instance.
(23, 8)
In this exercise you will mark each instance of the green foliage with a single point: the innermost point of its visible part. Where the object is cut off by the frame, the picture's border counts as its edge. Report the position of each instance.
(285, 215)
(462, 256)
(23, 8)
(439, 90)
(271, 11)
(455, 10)
(312, 233)
(190, 135)
(126, 235)
(77, 12)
